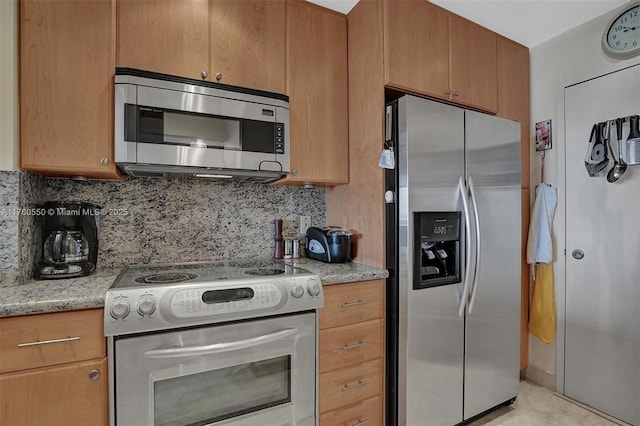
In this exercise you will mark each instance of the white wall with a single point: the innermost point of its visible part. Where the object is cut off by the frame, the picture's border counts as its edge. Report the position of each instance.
(569, 58)
(8, 84)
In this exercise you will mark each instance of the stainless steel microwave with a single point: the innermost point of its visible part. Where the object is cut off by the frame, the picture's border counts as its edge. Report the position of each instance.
(168, 125)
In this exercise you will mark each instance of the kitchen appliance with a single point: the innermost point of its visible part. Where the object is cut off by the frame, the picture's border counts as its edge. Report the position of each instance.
(70, 232)
(453, 255)
(330, 244)
(173, 125)
(213, 343)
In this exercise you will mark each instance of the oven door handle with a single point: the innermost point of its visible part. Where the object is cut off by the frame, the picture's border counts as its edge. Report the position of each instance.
(182, 351)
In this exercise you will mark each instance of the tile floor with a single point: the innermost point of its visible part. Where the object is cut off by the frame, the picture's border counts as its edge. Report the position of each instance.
(538, 406)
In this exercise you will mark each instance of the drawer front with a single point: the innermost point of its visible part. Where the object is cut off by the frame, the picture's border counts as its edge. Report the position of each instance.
(48, 339)
(351, 303)
(351, 384)
(351, 344)
(362, 413)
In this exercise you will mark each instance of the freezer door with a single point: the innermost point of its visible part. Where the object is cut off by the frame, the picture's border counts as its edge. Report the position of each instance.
(492, 332)
(431, 334)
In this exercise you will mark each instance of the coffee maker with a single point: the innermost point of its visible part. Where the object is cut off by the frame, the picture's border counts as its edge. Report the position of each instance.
(70, 234)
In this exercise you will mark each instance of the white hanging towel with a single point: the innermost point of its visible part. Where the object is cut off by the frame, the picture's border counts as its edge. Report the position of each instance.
(539, 244)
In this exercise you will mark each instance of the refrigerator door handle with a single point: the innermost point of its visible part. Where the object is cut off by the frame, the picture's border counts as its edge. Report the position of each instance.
(467, 220)
(476, 266)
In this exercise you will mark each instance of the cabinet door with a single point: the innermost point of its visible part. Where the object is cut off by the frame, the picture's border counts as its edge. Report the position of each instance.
(67, 57)
(513, 94)
(170, 37)
(416, 43)
(473, 71)
(66, 395)
(318, 97)
(248, 43)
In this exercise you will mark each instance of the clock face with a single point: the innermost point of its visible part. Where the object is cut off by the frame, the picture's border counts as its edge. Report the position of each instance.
(622, 39)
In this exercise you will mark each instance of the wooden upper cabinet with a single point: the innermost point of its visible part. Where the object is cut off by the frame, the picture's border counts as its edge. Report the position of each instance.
(430, 51)
(473, 71)
(318, 97)
(248, 43)
(416, 44)
(67, 58)
(241, 43)
(513, 94)
(170, 37)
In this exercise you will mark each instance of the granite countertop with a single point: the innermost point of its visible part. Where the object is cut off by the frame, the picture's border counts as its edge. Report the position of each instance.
(35, 297)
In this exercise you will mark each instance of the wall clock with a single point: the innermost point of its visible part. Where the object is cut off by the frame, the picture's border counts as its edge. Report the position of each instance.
(621, 38)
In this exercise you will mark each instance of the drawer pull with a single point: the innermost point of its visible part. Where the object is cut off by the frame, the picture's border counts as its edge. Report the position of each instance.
(352, 304)
(361, 423)
(94, 374)
(356, 386)
(46, 342)
(355, 346)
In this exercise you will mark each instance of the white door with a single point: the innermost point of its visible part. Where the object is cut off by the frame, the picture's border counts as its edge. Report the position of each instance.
(602, 324)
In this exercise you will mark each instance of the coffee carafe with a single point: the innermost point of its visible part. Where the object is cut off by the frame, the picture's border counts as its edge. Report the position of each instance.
(70, 233)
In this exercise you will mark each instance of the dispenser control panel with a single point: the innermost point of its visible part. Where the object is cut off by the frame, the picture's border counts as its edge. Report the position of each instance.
(437, 249)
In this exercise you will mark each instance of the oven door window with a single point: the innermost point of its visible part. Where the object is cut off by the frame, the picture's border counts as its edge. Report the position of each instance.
(212, 396)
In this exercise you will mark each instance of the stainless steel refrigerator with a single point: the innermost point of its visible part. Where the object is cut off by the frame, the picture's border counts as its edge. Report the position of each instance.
(453, 253)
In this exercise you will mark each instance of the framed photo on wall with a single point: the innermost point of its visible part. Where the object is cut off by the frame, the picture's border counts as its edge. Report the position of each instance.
(543, 135)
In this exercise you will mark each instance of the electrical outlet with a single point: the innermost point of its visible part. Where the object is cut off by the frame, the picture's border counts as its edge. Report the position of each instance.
(305, 223)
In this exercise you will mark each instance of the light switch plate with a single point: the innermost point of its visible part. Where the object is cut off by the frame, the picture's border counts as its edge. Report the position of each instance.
(305, 223)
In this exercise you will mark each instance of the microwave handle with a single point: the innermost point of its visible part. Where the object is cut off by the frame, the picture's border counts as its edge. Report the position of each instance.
(182, 351)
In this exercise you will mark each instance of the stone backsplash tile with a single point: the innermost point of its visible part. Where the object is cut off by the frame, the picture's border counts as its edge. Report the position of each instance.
(179, 220)
(32, 194)
(9, 233)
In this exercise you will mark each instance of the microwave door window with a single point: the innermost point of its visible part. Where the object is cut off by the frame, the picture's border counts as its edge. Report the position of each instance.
(199, 130)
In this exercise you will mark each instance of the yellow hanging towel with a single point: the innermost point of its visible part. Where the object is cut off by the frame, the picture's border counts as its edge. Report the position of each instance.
(542, 315)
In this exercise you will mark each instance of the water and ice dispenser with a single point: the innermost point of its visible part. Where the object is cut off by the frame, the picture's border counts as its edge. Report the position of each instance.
(437, 249)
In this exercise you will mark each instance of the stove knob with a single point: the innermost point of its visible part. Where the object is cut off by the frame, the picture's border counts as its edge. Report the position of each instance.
(314, 289)
(297, 291)
(120, 310)
(146, 306)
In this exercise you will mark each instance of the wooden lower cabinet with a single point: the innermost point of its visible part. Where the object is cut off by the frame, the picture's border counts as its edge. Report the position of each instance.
(54, 370)
(352, 349)
(63, 395)
(351, 384)
(366, 412)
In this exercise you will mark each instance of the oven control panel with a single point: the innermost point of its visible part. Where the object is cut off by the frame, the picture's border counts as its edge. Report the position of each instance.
(204, 302)
(134, 310)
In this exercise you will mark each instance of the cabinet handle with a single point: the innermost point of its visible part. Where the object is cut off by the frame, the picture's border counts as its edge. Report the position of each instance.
(355, 346)
(447, 92)
(456, 93)
(46, 342)
(356, 386)
(94, 374)
(219, 76)
(104, 161)
(361, 422)
(204, 74)
(352, 304)
(294, 172)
